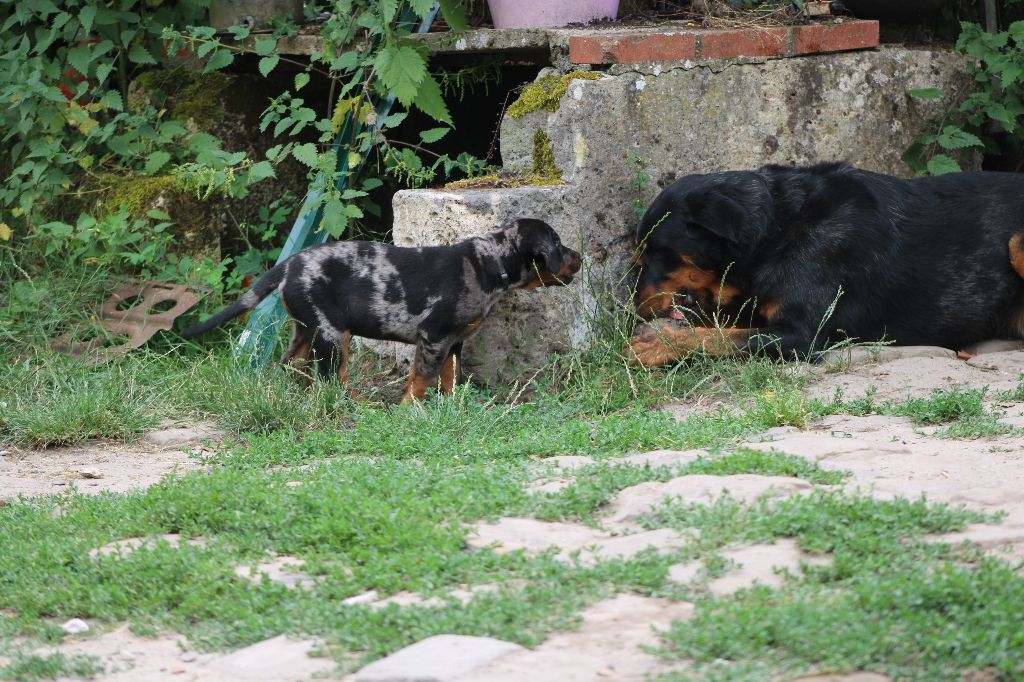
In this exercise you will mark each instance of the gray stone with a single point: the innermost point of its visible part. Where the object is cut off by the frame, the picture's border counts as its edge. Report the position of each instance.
(842, 358)
(437, 659)
(125, 547)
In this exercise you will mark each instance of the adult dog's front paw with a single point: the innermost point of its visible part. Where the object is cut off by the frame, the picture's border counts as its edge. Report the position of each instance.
(650, 349)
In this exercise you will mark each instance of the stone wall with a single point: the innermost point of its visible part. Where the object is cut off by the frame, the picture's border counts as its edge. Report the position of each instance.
(676, 118)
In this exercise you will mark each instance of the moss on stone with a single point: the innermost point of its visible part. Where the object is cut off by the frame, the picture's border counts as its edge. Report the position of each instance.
(504, 181)
(543, 160)
(546, 93)
(137, 194)
(190, 95)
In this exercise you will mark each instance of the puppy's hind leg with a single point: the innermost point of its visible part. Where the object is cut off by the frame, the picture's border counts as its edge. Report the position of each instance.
(299, 349)
(329, 357)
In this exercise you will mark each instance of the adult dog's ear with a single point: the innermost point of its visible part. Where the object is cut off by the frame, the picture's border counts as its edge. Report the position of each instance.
(739, 220)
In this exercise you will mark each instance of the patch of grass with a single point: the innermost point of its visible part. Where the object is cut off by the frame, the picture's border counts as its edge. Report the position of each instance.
(32, 667)
(888, 602)
(918, 622)
(62, 403)
(956, 404)
(747, 461)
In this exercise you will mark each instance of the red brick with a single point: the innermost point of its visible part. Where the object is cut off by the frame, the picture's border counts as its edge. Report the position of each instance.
(621, 48)
(849, 35)
(744, 42)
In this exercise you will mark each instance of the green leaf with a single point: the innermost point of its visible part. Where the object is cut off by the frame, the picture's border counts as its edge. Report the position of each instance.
(434, 134)
(352, 211)
(334, 220)
(156, 161)
(430, 102)
(402, 69)
(86, 17)
(102, 71)
(265, 46)
(388, 8)
(307, 154)
(261, 170)
(219, 60)
(454, 14)
(940, 164)
(953, 137)
(79, 58)
(112, 100)
(140, 55)
(267, 64)
(203, 142)
(925, 93)
(393, 120)
(301, 79)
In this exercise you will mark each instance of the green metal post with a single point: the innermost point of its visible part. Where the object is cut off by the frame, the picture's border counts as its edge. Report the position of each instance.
(266, 320)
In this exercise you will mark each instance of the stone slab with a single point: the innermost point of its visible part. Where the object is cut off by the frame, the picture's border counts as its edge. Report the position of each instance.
(441, 658)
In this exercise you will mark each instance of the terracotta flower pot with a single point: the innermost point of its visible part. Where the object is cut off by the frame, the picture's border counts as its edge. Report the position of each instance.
(537, 13)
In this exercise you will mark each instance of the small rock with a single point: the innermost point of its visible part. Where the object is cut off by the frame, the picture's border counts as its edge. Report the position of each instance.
(75, 626)
(90, 472)
(60, 482)
(293, 484)
(362, 599)
(189, 656)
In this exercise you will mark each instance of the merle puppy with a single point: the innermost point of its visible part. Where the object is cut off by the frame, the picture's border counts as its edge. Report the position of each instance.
(936, 261)
(435, 296)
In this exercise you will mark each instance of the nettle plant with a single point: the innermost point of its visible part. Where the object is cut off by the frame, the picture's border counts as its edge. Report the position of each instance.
(68, 132)
(367, 54)
(998, 73)
(64, 74)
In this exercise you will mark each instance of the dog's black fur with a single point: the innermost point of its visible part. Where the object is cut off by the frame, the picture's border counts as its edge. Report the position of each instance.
(936, 261)
(434, 297)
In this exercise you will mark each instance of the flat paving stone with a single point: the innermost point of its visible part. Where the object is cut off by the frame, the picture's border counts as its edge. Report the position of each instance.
(283, 570)
(182, 435)
(128, 545)
(442, 658)
(273, 660)
(607, 646)
(533, 537)
(640, 500)
(889, 458)
(660, 458)
(754, 564)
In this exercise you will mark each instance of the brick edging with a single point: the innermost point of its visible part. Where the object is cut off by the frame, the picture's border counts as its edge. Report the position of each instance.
(780, 41)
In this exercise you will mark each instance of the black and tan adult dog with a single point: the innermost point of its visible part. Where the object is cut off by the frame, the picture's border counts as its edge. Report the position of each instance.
(435, 297)
(935, 261)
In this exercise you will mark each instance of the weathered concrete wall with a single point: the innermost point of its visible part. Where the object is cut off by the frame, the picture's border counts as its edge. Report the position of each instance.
(677, 120)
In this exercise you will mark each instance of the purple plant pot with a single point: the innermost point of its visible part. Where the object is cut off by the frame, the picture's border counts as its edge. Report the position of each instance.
(537, 13)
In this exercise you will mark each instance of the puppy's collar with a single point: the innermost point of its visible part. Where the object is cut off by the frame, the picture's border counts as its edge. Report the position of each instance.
(505, 280)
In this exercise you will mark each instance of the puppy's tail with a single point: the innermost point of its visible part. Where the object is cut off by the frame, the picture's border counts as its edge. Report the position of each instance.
(259, 291)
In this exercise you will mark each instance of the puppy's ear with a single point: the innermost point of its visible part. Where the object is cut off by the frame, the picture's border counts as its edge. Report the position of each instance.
(736, 220)
(547, 251)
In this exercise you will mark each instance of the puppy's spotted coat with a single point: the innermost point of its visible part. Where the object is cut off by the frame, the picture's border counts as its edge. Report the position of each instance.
(434, 297)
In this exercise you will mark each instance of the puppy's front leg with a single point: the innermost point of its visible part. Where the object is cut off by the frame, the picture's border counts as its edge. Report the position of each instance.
(426, 367)
(667, 344)
(451, 372)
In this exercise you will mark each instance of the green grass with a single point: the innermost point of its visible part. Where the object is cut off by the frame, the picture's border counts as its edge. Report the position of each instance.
(30, 668)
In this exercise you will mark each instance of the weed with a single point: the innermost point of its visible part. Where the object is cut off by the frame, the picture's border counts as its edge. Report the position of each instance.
(33, 667)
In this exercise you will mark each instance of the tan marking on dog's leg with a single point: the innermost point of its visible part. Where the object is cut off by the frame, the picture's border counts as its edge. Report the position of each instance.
(449, 372)
(1017, 253)
(669, 344)
(345, 348)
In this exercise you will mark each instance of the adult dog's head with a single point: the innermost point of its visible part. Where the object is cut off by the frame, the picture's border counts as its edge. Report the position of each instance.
(691, 235)
(546, 261)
